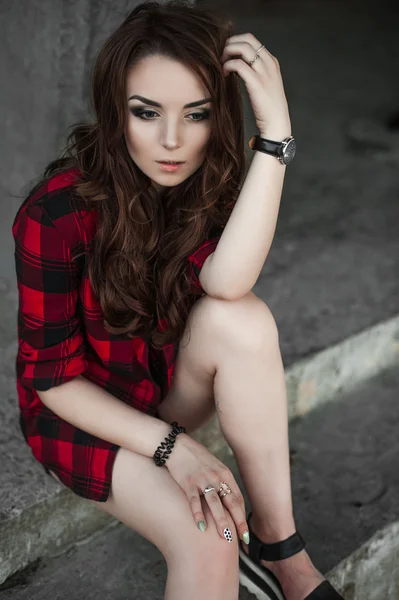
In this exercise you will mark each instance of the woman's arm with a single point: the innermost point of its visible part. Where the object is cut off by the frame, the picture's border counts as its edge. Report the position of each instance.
(92, 409)
(233, 269)
(52, 346)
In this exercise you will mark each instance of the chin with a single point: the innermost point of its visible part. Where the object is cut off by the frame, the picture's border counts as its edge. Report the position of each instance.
(165, 185)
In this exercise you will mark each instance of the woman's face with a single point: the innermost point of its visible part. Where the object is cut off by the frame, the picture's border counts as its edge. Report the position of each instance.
(167, 130)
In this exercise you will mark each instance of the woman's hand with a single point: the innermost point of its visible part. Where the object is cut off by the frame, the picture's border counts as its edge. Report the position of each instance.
(263, 82)
(194, 468)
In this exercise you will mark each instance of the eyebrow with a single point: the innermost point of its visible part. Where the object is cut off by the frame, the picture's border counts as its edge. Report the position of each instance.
(153, 103)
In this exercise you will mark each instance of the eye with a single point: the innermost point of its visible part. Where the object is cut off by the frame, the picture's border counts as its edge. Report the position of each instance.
(140, 114)
(203, 114)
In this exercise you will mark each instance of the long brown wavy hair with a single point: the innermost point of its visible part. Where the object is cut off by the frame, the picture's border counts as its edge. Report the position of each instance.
(138, 263)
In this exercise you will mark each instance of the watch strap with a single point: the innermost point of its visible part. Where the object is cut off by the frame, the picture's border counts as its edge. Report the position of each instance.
(264, 145)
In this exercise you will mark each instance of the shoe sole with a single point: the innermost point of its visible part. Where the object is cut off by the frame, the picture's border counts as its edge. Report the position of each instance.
(257, 580)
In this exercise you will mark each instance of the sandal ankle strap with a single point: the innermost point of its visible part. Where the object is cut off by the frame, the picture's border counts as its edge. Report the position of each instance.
(258, 550)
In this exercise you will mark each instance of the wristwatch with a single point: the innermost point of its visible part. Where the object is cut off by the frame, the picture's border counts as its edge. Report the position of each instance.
(284, 151)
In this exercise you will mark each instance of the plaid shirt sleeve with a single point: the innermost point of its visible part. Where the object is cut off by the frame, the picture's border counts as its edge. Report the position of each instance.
(197, 259)
(51, 348)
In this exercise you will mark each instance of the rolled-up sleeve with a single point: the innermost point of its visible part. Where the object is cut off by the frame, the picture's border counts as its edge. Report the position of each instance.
(51, 347)
(197, 259)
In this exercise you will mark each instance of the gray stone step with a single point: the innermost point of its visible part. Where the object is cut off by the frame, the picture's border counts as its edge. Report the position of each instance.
(345, 487)
(372, 571)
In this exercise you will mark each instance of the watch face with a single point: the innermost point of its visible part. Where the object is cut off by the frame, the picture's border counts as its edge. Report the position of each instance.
(289, 152)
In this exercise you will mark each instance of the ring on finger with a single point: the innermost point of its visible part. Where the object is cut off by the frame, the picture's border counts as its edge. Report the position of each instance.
(224, 489)
(256, 56)
(208, 488)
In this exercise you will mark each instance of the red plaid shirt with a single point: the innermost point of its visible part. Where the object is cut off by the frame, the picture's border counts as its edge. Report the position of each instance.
(61, 335)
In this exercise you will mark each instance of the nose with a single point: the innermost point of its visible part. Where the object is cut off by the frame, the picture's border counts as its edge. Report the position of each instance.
(170, 135)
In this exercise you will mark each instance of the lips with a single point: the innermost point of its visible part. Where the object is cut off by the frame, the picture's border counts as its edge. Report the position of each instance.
(169, 162)
(170, 168)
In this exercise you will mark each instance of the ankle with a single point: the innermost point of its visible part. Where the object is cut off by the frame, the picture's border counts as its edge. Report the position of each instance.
(270, 534)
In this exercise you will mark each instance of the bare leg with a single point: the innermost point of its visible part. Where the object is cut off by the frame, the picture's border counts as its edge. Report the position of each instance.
(146, 498)
(233, 360)
(250, 396)
(235, 344)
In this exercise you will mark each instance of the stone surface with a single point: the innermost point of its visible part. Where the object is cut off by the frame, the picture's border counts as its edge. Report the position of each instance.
(48, 48)
(372, 571)
(322, 377)
(345, 477)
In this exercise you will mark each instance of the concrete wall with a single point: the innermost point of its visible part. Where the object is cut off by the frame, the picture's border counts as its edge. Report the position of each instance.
(47, 50)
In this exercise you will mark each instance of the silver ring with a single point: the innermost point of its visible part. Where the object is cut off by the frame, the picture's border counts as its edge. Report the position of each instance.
(256, 55)
(252, 61)
(208, 489)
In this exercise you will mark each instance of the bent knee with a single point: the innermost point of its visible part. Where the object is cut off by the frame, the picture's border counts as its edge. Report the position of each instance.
(206, 552)
(247, 321)
(151, 503)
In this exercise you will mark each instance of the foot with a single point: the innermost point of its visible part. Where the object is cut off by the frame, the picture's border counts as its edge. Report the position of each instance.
(297, 575)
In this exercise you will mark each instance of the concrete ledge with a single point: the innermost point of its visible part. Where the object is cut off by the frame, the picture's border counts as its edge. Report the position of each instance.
(61, 518)
(46, 528)
(343, 367)
(372, 571)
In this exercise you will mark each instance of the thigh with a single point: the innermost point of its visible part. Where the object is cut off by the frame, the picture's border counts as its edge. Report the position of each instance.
(190, 400)
(214, 327)
(148, 500)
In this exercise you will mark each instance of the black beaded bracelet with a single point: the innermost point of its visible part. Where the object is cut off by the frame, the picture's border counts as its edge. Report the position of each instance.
(167, 445)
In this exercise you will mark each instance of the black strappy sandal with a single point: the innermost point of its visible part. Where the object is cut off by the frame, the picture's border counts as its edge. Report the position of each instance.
(261, 582)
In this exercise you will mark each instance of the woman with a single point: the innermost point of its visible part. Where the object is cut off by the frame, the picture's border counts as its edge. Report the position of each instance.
(136, 310)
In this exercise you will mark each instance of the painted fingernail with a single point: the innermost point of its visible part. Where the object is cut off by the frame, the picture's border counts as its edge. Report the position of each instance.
(227, 534)
(201, 525)
(245, 537)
